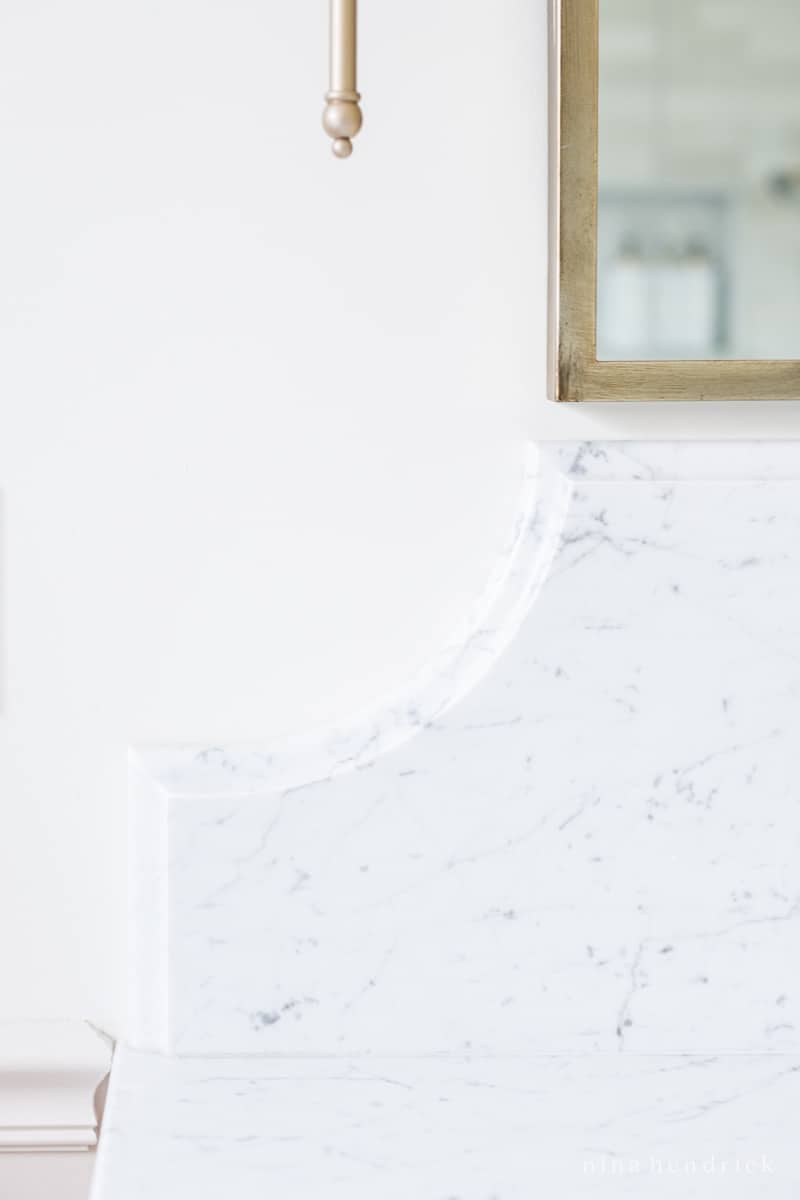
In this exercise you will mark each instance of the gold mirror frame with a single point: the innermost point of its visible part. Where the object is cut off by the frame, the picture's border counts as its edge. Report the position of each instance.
(576, 374)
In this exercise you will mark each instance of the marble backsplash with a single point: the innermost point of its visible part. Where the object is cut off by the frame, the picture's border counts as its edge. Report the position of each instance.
(579, 833)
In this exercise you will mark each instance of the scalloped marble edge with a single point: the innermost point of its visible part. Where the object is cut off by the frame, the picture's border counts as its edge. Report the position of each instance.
(183, 771)
(550, 472)
(49, 1074)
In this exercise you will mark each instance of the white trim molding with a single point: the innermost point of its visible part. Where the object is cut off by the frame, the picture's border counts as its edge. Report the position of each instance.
(50, 1072)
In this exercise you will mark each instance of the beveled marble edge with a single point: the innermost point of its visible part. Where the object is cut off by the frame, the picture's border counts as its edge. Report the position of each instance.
(148, 921)
(689, 461)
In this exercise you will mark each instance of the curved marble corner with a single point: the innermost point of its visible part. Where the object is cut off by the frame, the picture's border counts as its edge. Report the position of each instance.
(160, 777)
(588, 847)
(469, 653)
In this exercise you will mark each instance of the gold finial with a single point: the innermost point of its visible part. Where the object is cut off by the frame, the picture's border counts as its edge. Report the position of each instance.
(342, 117)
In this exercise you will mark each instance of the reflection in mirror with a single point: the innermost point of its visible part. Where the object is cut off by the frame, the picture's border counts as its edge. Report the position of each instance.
(699, 179)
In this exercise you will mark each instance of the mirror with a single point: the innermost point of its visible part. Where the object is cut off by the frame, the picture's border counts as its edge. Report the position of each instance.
(677, 199)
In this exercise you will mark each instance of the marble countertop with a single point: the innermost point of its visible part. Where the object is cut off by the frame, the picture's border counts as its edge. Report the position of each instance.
(639, 1126)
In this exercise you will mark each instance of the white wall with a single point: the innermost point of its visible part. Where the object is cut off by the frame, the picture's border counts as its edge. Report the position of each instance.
(261, 412)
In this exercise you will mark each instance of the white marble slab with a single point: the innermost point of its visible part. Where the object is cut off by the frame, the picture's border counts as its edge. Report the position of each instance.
(581, 835)
(532, 928)
(616, 1125)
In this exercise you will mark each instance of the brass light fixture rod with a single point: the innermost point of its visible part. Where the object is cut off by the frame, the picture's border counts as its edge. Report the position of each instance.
(342, 118)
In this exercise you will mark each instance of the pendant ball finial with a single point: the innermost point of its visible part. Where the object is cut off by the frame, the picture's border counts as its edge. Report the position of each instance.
(342, 120)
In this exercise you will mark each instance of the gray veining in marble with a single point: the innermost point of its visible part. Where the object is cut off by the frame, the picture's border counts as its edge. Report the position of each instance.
(593, 849)
(532, 928)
